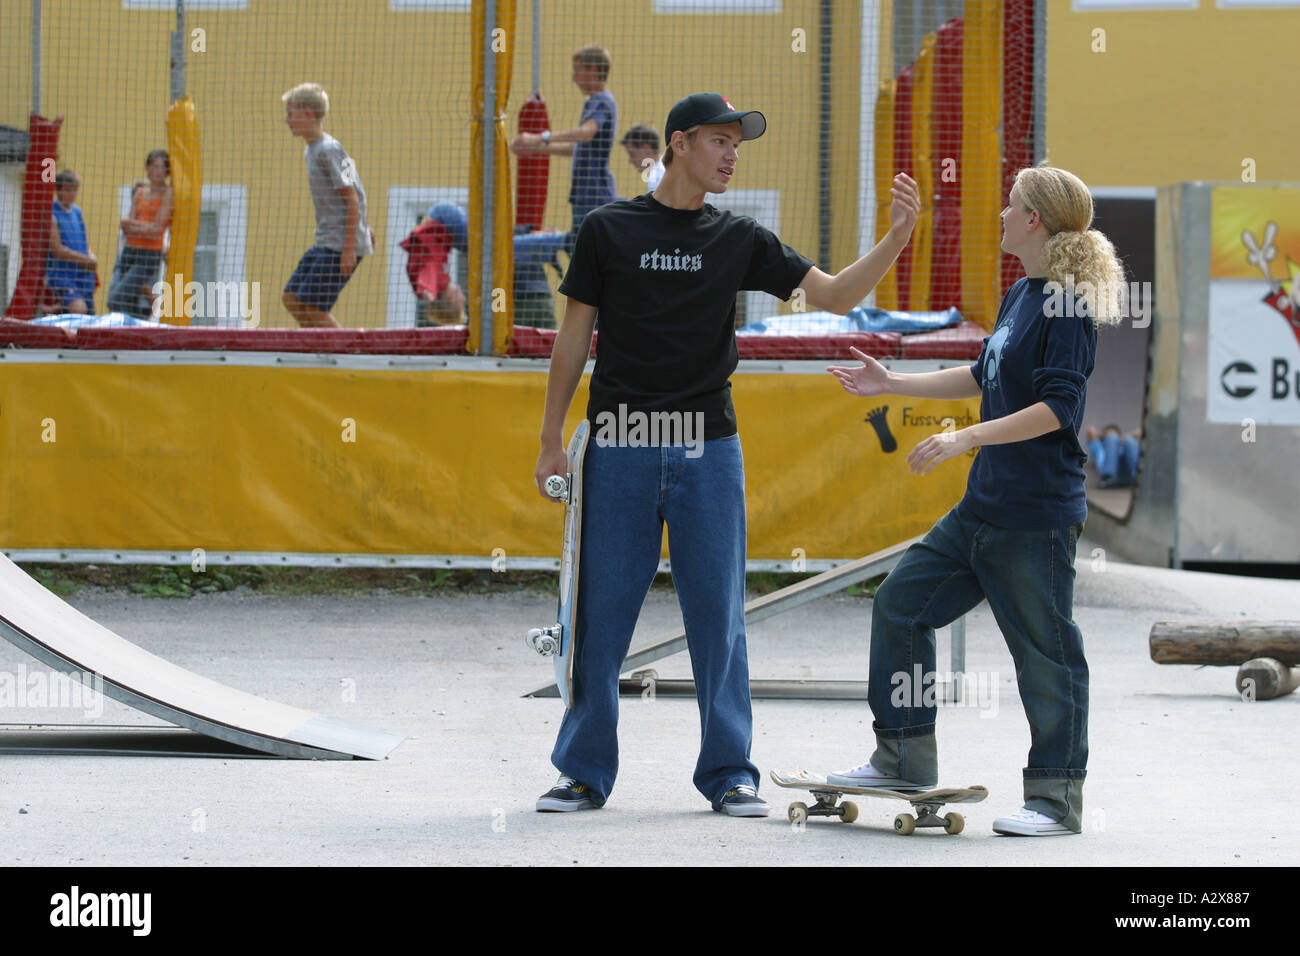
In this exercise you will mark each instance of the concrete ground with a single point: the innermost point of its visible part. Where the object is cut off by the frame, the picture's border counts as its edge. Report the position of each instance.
(1178, 759)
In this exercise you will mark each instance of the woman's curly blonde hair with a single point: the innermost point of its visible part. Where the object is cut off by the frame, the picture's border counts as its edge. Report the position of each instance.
(1075, 256)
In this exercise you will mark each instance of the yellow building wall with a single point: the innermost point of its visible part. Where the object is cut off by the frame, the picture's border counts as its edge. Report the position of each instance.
(399, 83)
(1176, 95)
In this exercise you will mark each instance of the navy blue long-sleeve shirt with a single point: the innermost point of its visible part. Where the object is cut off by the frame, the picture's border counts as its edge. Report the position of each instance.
(1030, 357)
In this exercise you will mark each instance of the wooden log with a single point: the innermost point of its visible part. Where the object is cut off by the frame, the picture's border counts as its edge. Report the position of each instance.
(1265, 678)
(1226, 643)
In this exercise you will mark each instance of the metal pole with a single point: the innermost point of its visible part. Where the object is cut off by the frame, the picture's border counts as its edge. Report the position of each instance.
(824, 140)
(1040, 81)
(178, 53)
(36, 57)
(489, 180)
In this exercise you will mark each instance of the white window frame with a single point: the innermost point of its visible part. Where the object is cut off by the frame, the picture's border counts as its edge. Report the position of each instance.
(189, 5)
(445, 6)
(1120, 6)
(716, 7)
(11, 226)
(405, 205)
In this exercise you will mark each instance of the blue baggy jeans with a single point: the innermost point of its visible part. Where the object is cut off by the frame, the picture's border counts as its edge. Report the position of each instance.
(1028, 580)
(630, 493)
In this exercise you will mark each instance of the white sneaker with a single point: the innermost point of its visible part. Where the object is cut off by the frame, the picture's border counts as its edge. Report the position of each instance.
(1026, 822)
(869, 776)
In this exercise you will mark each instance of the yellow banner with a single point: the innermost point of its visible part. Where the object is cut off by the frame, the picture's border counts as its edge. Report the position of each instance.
(156, 457)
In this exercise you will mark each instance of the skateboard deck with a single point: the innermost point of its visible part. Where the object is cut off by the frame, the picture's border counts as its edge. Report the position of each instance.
(558, 641)
(827, 795)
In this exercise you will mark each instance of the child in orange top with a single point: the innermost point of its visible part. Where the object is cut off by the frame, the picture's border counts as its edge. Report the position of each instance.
(137, 266)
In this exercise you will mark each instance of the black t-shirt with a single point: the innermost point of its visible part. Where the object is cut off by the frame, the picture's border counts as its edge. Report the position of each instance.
(664, 282)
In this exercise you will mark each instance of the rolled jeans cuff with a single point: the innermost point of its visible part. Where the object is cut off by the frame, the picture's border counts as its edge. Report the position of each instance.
(1057, 794)
(909, 753)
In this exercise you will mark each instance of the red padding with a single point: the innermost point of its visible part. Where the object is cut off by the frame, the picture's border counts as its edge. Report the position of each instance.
(946, 123)
(903, 93)
(1017, 108)
(24, 335)
(962, 342)
(534, 169)
(529, 342)
(443, 340)
(791, 347)
(38, 198)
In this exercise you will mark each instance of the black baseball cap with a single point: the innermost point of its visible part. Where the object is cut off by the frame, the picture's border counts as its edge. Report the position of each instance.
(713, 109)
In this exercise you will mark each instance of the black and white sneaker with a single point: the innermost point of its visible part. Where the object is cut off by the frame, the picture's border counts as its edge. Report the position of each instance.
(567, 794)
(742, 800)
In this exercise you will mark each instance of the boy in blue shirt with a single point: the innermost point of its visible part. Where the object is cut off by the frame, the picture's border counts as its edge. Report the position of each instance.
(70, 265)
(588, 143)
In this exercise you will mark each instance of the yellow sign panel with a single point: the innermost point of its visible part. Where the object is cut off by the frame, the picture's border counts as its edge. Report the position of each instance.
(1256, 233)
(329, 460)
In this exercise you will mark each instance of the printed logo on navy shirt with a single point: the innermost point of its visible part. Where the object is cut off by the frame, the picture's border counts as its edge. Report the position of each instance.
(993, 355)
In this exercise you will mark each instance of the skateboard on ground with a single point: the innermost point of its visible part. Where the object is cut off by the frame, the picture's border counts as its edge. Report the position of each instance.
(557, 641)
(827, 795)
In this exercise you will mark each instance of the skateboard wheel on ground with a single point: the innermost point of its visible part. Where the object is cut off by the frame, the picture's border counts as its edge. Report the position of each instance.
(798, 813)
(849, 811)
(904, 823)
(955, 823)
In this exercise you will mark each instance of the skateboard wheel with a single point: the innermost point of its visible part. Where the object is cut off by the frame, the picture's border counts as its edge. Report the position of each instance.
(904, 823)
(556, 486)
(798, 813)
(848, 811)
(541, 642)
(955, 823)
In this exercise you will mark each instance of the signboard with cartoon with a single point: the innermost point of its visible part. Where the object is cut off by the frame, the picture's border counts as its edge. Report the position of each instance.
(1254, 328)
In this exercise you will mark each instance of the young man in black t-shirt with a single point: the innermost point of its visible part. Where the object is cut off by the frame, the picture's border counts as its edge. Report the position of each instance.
(663, 270)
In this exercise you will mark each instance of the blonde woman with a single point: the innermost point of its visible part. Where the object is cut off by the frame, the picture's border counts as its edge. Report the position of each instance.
(1011, 539)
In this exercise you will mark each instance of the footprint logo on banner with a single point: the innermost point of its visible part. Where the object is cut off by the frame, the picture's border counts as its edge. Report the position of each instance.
(878, 420)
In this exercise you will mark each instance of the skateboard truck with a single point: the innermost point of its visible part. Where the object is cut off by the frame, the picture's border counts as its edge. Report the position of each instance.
(828, 805)
(546, 640)
(926, 804)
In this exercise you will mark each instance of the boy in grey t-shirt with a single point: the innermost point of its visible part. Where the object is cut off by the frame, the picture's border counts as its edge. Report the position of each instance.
(343, 235)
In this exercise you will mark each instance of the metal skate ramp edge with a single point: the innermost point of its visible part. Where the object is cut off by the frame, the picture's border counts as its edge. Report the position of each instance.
(61, 637)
